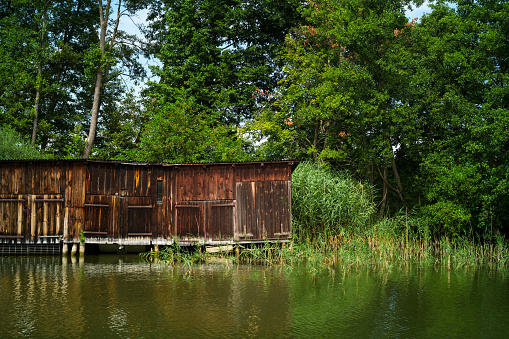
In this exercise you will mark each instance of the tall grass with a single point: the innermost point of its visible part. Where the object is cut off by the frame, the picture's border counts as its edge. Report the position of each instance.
(334, 224)
(329, 203)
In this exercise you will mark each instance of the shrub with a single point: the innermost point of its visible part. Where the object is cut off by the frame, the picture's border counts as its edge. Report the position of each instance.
(14, 146)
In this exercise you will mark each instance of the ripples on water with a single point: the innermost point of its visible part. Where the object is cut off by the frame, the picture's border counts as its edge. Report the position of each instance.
(117, 296)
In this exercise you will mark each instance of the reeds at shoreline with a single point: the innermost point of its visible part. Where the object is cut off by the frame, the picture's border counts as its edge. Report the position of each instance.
(367, 251)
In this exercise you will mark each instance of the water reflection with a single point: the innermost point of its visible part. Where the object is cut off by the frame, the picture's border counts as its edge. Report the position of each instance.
(413, 303)
(117, 296)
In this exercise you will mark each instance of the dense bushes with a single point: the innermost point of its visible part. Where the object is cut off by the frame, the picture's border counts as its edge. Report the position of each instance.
(328, 203)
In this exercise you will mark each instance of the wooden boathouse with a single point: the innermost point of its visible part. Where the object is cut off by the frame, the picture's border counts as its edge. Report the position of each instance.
(60, 202)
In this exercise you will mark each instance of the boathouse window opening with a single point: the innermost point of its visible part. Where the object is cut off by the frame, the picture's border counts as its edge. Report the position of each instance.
(159, 191)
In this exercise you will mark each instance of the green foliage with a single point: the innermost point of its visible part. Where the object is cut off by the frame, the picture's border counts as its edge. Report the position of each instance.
(77, 141)
(173, 255)
(328, 203)
(13, 146)
(52, 47)
(216, 54)
(177, 133)
(120, 130)
(416, 108)
(82, 236)
(43, 44)
(459, 87)
(340, 101)
(446, 217)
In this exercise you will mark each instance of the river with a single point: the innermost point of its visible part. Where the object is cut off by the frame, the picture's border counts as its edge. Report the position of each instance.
(117, 296)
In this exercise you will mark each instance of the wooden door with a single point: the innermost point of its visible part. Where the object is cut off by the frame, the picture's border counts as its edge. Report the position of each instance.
(220, 218)
(101, 216)
(190, 221)
(263, 210)
(137, 216)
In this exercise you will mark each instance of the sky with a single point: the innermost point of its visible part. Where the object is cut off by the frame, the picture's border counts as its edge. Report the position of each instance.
(418, 12)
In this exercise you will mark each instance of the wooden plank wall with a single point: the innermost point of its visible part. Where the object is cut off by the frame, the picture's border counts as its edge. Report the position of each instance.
(13, 200)
(38, 189)
(112, 200)
(220, 220)
(128, 194)
(263, 210)
(205, 182)
(74, 199)
(162, 214)
(208, 194)
(101, 208)
(262, 171)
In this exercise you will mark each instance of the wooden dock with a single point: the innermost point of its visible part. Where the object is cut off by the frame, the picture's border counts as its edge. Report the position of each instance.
(124, 203)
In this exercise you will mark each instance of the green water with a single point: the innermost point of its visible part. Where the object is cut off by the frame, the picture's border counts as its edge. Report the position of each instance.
(112, 296)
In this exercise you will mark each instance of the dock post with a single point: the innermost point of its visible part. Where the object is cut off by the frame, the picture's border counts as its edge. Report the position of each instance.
(82, 249)
(65, 249)
(74, 249)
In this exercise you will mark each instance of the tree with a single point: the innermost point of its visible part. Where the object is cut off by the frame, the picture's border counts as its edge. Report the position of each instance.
(216, 54)
(460, 89)
(51, 54)
(43, 83)
(424, 101)
(177, 133)
(344, 98)
(102, 60)
(122, 125)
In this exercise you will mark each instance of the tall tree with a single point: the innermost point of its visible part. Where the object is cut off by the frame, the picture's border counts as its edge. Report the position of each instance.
(417, 107)
(343, 100)
(43, 82)
(51, 60)
(114, 51)
(216, 54)
(460, 90)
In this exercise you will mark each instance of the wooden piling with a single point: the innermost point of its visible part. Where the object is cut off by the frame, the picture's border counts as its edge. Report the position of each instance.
(74, 249)
(65, 249)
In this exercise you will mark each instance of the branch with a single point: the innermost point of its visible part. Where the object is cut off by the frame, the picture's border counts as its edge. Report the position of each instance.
(116, 24)
(392, 188)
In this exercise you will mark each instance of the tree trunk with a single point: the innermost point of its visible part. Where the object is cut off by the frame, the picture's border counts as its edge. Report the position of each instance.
(384, 194)
(102, 72)
(36, 109)
(39, 80)
(396, 175)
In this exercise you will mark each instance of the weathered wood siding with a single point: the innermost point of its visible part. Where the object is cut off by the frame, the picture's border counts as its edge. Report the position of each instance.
(136, 203)
(245, 201)
(32, 201)
(128, 201)
(263, 209)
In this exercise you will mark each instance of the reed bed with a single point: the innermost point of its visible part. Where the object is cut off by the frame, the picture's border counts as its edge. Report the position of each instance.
(376, 251)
